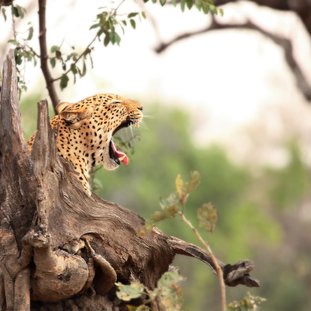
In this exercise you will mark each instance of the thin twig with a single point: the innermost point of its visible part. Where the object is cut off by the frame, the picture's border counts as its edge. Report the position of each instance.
(86, 50)
(44, 55)
(151, 19)
(302, 82)
(218, 269)
(13, 25)
(114, 11)
(76, 61)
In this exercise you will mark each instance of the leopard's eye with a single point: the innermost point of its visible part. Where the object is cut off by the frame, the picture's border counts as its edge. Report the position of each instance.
(116, 102)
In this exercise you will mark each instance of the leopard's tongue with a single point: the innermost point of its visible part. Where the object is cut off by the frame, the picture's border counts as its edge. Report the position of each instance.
(119, 154)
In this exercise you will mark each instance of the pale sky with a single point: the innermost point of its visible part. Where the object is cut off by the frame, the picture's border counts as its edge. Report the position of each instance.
(229, 81)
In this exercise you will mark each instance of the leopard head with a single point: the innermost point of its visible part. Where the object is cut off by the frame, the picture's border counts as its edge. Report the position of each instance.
(85, 131)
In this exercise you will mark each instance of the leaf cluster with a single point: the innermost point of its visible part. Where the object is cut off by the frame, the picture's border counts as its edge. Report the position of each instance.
(22, 49)
(17, 10)
(248, 303)
(108, 25)
(207, 216)
(72, 62)
(206, 6)
(167, 292)
(175, 202)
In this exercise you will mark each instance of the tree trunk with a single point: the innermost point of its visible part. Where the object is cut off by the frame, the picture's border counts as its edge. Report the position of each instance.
(61, 249)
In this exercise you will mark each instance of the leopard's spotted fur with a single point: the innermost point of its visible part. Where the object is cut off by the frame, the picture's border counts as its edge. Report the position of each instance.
(85, 129)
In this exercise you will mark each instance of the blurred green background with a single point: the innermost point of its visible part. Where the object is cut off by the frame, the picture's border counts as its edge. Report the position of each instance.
(226, 103)
(260, 211)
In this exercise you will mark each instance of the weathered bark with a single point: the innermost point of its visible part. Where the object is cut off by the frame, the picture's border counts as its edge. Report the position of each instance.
(59, 248)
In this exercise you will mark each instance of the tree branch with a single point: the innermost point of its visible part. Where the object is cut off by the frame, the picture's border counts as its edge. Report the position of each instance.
(302, 8)
(284, 43)
(162, 46)
(86, 51)
(43, 54)
(218, 268)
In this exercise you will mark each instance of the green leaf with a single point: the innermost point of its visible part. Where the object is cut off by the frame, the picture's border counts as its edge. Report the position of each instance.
(115, 38)
(75, 55)
(53, 62)
(107, 39)
(82, 74)
(168, 290)
(91, 60)
(18, 59)
(73, 69)
(99, 33)
(64, 81)
(213, 8)
(30, 33)
(133, 14)
(58, 54)
(118, 38)
(180, 186)
(194, 181)
(182, 5)
(94, 26)
(170, 278)
(170, 201)
(18, 11)
(35, 60)
(189, 4)
(133, 23)
(170, 207)
(13, 41)
(207, 216)
(162, 2)
(129, 292)
(248, 303)
(4, 14)
(28, 55)
(54, 48)
(112, 38)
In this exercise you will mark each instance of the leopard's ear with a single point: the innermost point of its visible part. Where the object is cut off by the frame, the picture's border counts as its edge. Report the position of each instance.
(74, 114)
(62, 106)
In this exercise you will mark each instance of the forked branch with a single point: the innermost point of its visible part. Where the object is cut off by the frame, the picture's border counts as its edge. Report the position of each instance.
(284, 43)
(44, 54)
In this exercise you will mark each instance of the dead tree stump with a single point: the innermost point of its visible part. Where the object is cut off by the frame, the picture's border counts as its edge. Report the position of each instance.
(59, 248)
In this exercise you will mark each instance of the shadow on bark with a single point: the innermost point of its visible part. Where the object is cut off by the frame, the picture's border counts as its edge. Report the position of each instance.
(59, 248)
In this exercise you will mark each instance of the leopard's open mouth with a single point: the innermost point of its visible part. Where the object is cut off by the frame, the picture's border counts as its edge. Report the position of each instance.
(115, 154)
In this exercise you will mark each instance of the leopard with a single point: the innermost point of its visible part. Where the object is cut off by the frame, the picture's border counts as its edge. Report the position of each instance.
(85, 129)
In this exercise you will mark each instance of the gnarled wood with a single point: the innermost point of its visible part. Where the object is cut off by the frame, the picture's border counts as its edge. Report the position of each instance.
(61, 249)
